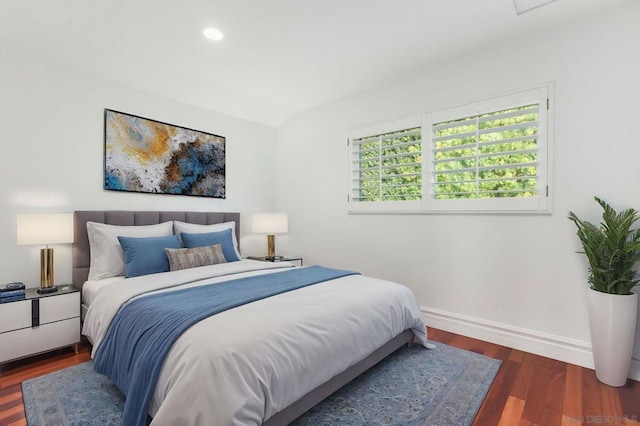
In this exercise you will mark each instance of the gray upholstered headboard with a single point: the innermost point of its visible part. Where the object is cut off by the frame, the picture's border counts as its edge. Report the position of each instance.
(81, 258)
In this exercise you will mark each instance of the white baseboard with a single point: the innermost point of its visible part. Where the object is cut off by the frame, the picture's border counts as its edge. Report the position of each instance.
(563, 349)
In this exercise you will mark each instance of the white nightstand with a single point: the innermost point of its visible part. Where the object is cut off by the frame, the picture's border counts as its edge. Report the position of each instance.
(39, 323)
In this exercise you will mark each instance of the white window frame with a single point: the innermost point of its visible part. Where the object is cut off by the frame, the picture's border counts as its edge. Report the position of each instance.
(541, 204)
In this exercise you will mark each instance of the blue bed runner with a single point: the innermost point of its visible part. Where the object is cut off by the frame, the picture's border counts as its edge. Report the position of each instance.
(141, 334)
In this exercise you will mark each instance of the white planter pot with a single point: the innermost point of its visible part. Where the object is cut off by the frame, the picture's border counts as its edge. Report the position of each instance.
(612, 319)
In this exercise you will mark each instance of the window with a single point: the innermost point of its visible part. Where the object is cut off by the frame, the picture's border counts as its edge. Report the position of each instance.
(485, 156)
(386, 166)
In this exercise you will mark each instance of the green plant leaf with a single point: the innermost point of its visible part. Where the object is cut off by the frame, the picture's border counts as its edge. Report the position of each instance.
(612, 249)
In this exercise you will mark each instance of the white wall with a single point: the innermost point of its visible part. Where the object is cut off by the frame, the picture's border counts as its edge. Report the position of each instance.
(52, 157)
(508, 278)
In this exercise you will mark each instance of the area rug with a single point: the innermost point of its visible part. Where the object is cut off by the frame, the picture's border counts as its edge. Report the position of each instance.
(413, 386)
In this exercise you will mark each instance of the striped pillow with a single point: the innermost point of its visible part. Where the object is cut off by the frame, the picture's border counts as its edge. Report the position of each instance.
(185, 258)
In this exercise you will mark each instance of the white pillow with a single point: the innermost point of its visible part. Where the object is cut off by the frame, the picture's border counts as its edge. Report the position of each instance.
(194, 228)
(107, 257)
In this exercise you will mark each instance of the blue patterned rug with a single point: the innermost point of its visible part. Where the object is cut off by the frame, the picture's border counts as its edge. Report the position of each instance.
(413, 386)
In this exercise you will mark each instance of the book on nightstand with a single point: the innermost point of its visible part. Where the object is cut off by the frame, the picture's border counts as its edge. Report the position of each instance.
(11, 287)
(4, 299)
(12, 292)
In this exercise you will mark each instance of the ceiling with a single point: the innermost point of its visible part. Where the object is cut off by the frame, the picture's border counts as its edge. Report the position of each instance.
(278, 57)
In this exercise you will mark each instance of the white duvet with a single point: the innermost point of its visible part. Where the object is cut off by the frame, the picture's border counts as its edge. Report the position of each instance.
(244, 365)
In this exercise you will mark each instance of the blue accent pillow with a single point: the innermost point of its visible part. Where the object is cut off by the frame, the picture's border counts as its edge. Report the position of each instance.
(223, 238)
(143, 256)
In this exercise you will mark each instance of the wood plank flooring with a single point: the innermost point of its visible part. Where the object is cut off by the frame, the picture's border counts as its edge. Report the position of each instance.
(528, 390)
(534, 390)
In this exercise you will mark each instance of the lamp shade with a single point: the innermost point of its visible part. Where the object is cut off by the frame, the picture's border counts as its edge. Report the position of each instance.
(270, 223)
(45, 228)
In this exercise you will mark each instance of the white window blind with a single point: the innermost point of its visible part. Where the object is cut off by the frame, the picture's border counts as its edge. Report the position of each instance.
(388, 167)
(489, 155)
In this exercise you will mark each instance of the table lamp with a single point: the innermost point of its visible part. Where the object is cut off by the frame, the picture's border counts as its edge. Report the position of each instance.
(270, 224)
(45, 228)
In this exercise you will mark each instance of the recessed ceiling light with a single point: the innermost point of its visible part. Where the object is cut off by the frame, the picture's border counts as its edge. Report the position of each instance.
(212, 33)
(523, 6)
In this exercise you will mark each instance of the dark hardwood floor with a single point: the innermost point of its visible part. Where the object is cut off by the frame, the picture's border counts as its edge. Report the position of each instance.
(528, 390)
(534, 390)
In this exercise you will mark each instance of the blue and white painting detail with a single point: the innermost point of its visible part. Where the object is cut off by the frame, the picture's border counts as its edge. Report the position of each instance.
(143, 155)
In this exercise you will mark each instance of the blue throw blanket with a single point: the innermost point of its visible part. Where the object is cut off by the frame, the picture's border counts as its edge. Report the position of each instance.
(141, 334)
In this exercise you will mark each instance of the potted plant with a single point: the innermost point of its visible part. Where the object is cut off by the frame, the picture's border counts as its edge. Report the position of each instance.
(612, 250)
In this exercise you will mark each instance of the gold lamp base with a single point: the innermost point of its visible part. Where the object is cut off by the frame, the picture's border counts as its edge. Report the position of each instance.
(271, 246)
(46, 271)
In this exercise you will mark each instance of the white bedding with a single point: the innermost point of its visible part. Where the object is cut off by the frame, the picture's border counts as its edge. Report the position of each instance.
(91, 288)
(243, 365)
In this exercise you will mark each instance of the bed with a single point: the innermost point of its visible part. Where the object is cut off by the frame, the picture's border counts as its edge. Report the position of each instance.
(246, 365)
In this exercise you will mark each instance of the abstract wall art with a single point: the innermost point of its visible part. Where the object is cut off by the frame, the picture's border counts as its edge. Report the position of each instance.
(144, 155)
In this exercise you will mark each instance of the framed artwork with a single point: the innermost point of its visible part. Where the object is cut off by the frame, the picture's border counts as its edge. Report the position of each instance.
(144, 155)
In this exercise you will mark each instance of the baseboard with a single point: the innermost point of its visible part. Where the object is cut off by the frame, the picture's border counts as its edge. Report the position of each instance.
(563, 349)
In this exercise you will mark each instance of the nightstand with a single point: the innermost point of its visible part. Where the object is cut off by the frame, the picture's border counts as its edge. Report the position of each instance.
(39, 323)
(276, 259)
